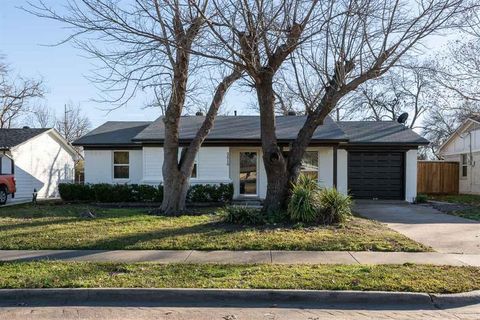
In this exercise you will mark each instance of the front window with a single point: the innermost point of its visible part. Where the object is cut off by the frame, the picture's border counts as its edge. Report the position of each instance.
(310, 164)
(194, 170)
(121, 165)
(464, 165)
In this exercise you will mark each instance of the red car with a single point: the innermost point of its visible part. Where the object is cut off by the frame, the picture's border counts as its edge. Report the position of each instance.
(7, 186)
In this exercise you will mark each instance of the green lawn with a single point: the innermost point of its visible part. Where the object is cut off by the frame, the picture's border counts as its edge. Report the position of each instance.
(468, 199)
(53, 226)
(412, 278)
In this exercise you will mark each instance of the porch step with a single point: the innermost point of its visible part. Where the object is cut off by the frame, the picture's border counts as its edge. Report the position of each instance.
(248, 202)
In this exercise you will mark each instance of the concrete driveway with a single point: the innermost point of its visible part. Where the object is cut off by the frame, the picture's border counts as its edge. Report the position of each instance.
(444, 233)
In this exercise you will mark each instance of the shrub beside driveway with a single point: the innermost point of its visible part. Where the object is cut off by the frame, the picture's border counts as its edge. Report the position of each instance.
(54, 226)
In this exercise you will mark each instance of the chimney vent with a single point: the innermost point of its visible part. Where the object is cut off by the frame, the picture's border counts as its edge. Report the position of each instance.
(235, 112)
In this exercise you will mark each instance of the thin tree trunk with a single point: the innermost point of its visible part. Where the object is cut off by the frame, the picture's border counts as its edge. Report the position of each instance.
(177, 179)
(273, 159)
(173, 180)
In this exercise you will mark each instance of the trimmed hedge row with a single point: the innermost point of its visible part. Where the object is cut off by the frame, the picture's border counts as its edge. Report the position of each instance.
(104, 192)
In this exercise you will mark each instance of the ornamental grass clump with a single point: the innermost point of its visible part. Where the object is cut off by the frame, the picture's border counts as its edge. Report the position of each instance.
(304, 201)
(334, 207)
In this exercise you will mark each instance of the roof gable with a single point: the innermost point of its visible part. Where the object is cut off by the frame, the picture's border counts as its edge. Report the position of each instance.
(113, 133)
(10, 138)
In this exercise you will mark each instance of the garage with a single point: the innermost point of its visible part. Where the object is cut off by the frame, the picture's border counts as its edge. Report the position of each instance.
(376, 175)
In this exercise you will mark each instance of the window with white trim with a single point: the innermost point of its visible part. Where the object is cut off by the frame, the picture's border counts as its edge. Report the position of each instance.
(121, 165)
(464, 165)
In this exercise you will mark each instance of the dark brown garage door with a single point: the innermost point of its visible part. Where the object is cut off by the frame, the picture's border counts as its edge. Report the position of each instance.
(376, 175)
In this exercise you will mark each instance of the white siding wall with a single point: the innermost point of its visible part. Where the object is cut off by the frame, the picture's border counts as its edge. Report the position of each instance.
(325, 164)
(42, 163)
(6, 164)
(471, 183)
(212, 165)
(342, 171)
(411, 175)
(152, 165)
(99, 166)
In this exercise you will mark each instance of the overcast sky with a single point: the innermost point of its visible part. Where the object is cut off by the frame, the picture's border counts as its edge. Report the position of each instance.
(22, 41)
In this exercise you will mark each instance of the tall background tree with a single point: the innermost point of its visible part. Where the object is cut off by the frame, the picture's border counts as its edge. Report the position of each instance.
(338, 45)
(18, 96)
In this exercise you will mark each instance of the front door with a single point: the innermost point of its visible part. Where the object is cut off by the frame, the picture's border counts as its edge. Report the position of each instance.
(248, 173)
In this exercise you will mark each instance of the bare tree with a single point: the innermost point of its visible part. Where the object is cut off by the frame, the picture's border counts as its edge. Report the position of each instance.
(408, 88)
(73, 124)
(150, 45)
(43, 117)
(341, 45)
(17, 95)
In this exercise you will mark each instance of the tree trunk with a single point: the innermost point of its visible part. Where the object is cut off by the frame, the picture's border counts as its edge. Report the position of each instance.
(175, 185)
(177, 173)
(273, 159)
(175, 193)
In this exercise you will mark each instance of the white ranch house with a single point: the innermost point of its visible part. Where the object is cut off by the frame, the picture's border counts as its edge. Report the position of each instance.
(372, 160)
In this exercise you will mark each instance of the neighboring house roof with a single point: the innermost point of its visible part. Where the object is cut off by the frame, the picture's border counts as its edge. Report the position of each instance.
(242, 128)
(380, 132)
(247, 129)
(10, 138)
(472, 120)
(116, 133)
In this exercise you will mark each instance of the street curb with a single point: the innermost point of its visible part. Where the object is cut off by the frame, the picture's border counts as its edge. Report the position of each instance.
(226, 297)
(454, 300)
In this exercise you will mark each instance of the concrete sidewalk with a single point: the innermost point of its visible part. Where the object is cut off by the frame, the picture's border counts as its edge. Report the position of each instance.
(244, 257)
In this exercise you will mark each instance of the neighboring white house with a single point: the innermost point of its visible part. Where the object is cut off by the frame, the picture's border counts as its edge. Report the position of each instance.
(463, 146)
(40, 159)
(372, 160)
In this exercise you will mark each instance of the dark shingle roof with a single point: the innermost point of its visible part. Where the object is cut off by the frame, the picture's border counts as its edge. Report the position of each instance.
(242, 128)
(247, 129)
(113, 133)
(12, 137)
(380, 132)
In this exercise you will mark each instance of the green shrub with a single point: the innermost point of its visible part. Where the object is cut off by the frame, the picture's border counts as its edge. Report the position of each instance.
(243, 215)
(334, 206)
(304, 201)
(210, 193)
(421, 198)
(76, 192)
(104, 192)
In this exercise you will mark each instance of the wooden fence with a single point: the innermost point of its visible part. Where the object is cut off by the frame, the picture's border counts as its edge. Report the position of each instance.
(437, 177)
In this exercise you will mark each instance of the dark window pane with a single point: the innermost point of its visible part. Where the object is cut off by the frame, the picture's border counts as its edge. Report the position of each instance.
(121, 158)
(310, 164)
(121, 172)
(464, 171)
(194, 171)
(248, 173)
